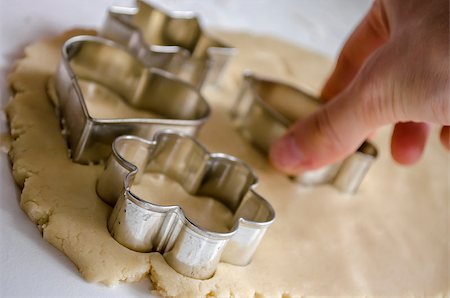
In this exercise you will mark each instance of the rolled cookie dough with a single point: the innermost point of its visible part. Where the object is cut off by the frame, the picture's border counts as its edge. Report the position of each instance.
(389, 239)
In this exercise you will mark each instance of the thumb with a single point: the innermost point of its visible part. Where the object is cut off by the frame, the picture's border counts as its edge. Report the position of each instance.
(339, 127)
(325, 137)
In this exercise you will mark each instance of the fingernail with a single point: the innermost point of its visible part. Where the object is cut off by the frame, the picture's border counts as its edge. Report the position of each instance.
(285, 154)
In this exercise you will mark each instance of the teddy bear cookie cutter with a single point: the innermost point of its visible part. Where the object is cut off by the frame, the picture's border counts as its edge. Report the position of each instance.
(190, 249)
(102, 65)
(175, 40)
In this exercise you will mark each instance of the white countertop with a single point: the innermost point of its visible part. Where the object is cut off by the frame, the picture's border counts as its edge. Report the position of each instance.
(29, 266)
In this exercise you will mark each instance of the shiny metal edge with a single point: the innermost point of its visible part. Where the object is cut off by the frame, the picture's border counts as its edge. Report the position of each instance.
(190, 249)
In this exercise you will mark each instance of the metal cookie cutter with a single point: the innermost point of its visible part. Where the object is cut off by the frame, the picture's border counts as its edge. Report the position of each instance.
(266, 108)
(190, 249)
(92, 65)
(176, 38)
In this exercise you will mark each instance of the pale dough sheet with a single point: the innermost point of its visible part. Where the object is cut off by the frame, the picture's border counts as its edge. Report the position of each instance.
(389, 239)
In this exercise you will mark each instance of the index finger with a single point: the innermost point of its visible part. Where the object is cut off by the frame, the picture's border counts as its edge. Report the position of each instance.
(370, 34)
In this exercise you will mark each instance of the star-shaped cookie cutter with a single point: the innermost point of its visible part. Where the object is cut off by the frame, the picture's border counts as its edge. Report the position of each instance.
(188, 248)
(106, 67)
(174, 40)
(264, 110)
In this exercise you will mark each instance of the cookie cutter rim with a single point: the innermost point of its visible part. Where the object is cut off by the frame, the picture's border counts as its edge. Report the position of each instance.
(67, 77)
(345, 175)
(217, 57)
(236, 246)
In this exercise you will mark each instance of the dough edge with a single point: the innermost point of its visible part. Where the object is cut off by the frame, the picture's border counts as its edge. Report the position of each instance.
(38, 201)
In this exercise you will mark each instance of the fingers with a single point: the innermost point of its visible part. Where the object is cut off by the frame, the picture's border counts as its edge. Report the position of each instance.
(408, 141)
(341, 125)
(445, 136)
(370, 34)
(326, 136)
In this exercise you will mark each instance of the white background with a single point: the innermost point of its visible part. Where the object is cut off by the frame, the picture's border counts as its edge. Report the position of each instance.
(29, 266)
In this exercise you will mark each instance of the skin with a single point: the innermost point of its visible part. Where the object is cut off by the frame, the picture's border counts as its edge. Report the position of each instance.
(394, 68)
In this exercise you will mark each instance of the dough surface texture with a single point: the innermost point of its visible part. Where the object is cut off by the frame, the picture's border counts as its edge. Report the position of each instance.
(391, 238)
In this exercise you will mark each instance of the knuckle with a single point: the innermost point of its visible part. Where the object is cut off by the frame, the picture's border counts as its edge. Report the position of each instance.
(327, 132)
(379, 99)
(440, 104)
(440, 108)
(372, 106)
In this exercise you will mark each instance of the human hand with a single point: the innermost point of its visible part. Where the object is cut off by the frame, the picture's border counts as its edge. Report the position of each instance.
(394, 68)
